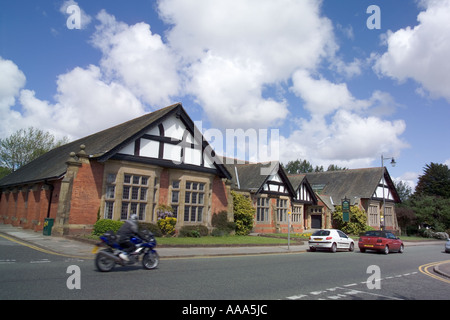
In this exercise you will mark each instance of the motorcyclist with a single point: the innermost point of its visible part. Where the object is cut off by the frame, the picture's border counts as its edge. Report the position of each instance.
(126, 231)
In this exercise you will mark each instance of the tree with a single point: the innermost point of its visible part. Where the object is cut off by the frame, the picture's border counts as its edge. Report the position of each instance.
(298, 166)
(404, 190)
(24, 146)
(432, 211)
(435, 181)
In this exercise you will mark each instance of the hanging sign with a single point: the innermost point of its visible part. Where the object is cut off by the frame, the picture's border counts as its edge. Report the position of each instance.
(346, 209)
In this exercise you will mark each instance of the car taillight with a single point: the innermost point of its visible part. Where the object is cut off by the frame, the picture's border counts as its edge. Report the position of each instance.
(309, 237)
(329, 238)
(360, 240)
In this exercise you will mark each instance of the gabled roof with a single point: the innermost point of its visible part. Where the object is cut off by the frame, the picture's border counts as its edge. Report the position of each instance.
(297, 180)
(253, 176)
(354, 183)
(101, 146)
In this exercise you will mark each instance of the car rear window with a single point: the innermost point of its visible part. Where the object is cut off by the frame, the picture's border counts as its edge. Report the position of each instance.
(375, 233)
(321, 233)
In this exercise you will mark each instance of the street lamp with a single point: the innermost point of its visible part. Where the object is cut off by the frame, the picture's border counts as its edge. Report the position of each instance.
(393, 163)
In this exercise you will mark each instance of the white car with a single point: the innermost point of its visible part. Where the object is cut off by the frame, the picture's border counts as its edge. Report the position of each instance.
(447, 246)
(330, 239)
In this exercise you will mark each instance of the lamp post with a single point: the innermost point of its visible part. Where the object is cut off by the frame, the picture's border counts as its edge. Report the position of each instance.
(393, 163)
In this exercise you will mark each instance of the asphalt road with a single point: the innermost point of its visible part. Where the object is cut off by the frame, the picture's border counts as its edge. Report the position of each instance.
(26, 273)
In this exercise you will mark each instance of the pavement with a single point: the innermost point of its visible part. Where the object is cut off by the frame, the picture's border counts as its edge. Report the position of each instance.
(73, 247)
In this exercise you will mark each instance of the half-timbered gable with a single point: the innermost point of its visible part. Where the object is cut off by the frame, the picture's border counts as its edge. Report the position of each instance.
(132, 168)
(371, 189)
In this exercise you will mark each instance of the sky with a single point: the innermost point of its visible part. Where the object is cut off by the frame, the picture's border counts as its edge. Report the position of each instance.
(332, 82)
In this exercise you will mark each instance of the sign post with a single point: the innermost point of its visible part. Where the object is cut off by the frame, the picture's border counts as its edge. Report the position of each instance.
(346, 209)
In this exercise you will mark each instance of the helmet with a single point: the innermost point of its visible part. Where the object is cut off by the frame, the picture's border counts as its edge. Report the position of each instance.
(134, 217)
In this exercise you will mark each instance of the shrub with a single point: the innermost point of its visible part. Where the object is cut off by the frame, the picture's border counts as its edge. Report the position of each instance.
(153, 228)
(105, 225)
(166, 222)
(221, 224)
(194, 231)
(357, 223)
(167, 225)
(244, 213)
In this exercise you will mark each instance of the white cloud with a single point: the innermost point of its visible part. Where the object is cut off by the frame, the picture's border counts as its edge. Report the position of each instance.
(348, 139)
(421, 53)
(84, 104)
(11, 81)
(234, 49)
(341, 129)
(138, 59)
(323, 97)
(83, 99)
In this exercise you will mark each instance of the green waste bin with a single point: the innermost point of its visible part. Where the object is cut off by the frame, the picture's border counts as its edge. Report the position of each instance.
(48, 225)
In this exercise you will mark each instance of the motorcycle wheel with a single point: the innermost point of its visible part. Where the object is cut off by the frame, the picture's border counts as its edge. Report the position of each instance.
(150, 260)
(104, 264)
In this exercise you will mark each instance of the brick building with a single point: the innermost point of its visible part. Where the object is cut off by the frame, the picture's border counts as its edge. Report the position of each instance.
(161, 158)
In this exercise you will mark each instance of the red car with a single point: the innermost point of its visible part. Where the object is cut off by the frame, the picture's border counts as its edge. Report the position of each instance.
(383, 241)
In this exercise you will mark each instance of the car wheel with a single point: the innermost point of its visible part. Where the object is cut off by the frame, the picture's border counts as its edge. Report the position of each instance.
(401, 249)
(333, 248)
(312, 249)
(386, 250)
(351, 247)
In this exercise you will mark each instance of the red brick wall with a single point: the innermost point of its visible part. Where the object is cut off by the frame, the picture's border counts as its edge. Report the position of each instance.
(164, 187)
(21, 210)
(219, 200)
(86, 194)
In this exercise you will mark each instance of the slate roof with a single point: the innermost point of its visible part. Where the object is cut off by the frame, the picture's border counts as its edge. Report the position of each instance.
(100, 145)
(354, 183)
(251, 178)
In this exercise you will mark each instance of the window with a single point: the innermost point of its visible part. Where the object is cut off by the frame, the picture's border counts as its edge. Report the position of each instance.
(134, 196)
(110, 195)
(282, 208)
(388, 218)
(175, 198)
(109, 209)
(297, 214)
(194, 201)
(373, 216)
(262, 209)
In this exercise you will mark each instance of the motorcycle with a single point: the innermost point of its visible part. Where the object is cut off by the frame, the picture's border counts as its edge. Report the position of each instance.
(107, 258)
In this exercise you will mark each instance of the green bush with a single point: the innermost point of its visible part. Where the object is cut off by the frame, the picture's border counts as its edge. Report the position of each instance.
(357, 223)
(105, 225)
(153, 228)
(194, 231)
(222, 226)
(244, 213)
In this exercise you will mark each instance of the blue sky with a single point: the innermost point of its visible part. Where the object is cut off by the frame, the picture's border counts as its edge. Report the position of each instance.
(337, 91)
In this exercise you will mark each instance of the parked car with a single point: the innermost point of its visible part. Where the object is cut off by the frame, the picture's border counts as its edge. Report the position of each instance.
(330, 239)
(447, 246)
(382, 241)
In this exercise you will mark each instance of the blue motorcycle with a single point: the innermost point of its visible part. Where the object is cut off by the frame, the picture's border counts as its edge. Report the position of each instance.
(107, 258)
